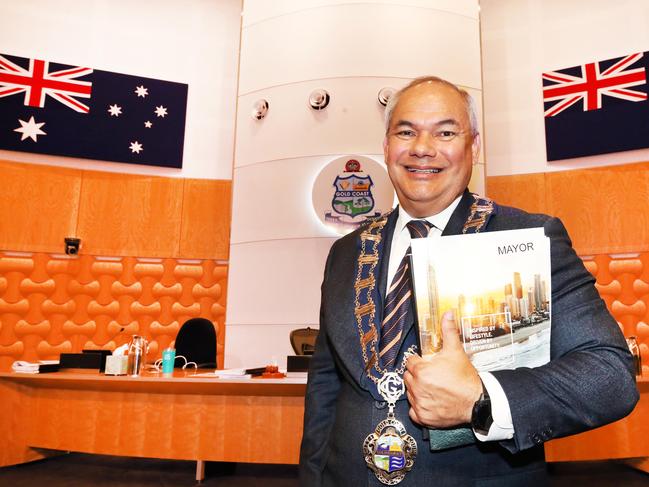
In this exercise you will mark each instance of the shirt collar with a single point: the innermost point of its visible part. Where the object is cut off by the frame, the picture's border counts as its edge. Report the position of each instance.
(439, 220)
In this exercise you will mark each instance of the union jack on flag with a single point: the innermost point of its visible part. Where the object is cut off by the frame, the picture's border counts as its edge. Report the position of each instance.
(597, 107)
(38, 81)
(594, 83)
(73, 111)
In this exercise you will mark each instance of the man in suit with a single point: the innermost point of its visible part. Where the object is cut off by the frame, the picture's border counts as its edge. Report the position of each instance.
(361, 364)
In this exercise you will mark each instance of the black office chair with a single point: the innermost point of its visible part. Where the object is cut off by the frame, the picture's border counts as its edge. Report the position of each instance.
(303, 340)
(196, 341)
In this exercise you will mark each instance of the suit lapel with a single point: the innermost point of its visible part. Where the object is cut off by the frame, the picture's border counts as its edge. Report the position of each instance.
(459, 216)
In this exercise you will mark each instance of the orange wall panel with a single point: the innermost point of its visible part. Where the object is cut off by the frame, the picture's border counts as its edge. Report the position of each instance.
(50, 303)
(604, 209)
(130, 215)
(525, 191)
(38, 206)
(206, 216)
(113, 214)
(152, 256)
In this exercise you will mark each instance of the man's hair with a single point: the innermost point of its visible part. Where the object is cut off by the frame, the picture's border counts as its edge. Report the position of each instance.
(468, 100)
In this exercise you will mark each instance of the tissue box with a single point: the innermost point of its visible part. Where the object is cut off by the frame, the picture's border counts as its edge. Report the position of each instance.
(116, 364)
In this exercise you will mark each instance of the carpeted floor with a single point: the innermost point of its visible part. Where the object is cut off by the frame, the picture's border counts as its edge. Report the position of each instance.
(77, 470)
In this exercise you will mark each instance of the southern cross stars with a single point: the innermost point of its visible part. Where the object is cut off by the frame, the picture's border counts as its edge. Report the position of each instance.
(141, 91)
(30, 129)
(115, 110)
(136, 147)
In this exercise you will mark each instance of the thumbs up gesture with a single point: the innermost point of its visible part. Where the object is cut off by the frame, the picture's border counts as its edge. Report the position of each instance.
(443, 389)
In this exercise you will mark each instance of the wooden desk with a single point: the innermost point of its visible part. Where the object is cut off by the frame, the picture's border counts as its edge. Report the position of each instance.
(257, 421)
(254, 420)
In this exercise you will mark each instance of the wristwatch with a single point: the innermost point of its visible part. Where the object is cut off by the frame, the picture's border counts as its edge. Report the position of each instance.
(481, 419)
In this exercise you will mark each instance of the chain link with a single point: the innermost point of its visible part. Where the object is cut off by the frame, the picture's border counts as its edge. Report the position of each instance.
(373, 234)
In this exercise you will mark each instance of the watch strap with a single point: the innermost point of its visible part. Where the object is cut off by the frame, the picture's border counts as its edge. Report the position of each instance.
(481, 417)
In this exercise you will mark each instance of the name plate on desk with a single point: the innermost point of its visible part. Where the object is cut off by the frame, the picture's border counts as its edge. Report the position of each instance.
(116, 364)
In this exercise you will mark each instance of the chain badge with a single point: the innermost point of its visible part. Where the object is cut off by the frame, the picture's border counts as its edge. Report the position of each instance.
(390, 451)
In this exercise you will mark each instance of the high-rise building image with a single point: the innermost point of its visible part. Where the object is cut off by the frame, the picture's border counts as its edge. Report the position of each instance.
(531, 301)
(518, 288)
(538, 292)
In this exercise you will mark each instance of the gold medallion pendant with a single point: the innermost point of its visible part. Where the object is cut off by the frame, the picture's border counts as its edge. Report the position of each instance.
(390, 451)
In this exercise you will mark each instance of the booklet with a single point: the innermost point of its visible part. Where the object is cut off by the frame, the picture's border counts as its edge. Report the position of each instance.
(35, 367)
(498, 286)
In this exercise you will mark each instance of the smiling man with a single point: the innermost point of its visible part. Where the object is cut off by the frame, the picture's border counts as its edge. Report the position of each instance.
(371, 399)
(430, 147)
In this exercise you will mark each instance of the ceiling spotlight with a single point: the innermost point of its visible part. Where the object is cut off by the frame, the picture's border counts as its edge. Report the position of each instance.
(259, 109)
(385, 94)
(319, 99)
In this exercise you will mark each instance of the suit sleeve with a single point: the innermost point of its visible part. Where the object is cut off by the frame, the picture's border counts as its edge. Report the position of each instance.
(320, 401)
(589, 380)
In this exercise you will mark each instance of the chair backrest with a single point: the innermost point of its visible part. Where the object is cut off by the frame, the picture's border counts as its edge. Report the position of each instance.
(303, 340)
(196, 341)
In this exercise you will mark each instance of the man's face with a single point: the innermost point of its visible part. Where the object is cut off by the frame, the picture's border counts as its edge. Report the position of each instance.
(429, 148)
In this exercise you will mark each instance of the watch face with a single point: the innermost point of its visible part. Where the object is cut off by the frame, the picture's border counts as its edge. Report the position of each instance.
(481, 419)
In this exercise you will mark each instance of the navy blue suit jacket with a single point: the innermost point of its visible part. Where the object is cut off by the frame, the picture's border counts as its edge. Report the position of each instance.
(589, 381)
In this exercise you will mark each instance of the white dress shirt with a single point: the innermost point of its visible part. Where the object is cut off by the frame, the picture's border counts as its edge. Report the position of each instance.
(502, 427)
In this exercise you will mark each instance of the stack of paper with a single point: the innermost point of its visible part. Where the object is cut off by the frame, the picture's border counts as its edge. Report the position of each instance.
(35, 367)
(297, 375)
(231, 373)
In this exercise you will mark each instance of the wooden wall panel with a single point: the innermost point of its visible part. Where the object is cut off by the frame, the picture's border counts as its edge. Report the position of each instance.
(525, 191)
(604, 209)
(113, 214)
(206, 216)
(130, 215)
(38, 206)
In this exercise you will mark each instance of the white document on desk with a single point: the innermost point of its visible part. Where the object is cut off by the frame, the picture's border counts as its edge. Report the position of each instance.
(225, 374)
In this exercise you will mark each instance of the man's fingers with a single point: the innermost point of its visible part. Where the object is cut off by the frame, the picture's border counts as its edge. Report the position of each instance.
(450, 332)
(412, 362)
(413, 416)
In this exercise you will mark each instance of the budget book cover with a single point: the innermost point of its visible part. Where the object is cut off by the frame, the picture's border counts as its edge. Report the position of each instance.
(498, 286)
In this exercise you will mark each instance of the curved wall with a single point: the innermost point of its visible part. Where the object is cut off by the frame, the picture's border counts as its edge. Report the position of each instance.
(352, 49)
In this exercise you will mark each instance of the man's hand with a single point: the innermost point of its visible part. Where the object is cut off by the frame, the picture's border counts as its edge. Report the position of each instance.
(442, 390)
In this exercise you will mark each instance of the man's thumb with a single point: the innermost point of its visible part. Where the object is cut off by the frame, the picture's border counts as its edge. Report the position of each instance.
(450, 331)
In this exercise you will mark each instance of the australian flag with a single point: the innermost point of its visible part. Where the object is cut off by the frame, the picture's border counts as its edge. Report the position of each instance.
(597, 108)
(63, 110)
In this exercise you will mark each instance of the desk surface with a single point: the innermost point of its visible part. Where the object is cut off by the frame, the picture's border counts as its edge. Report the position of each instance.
(181, 383)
